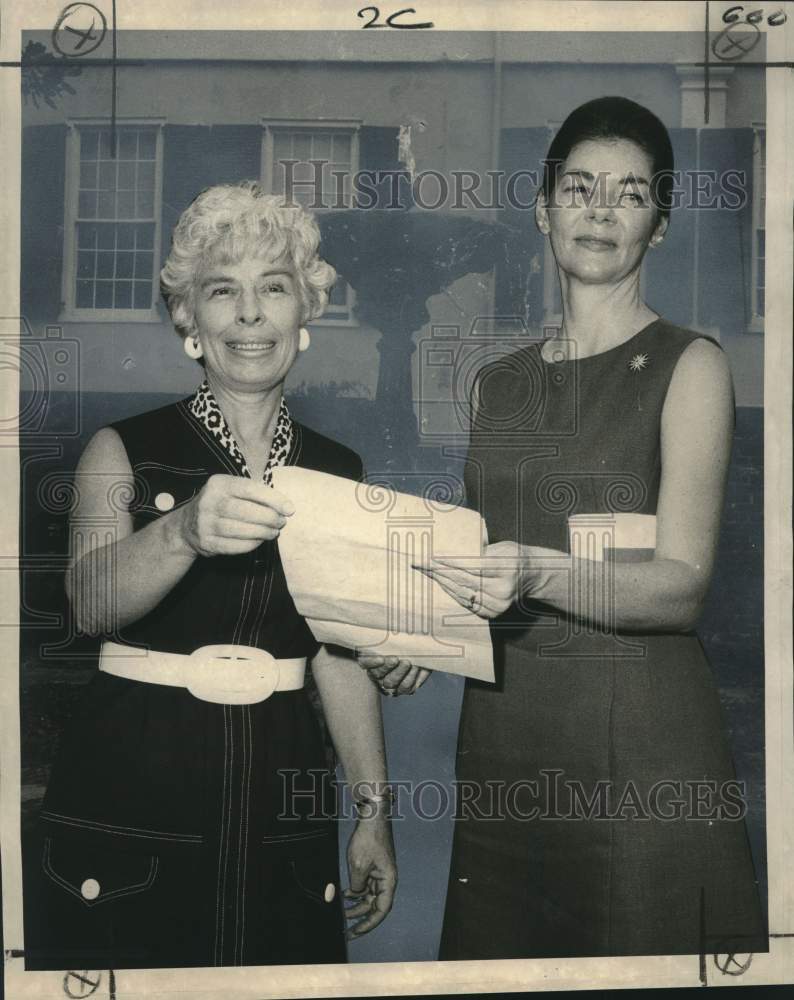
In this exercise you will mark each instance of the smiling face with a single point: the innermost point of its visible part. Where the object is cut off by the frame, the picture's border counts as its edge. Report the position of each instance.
(602, 218)
(247, 315)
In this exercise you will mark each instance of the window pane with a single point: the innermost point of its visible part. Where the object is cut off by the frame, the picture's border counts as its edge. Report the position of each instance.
(88, 175)
(145, 205)
(303, 173)
(106, 236)
(107, 175)
(282, 146)
(145, 180)
(123, 299)
(104, 144)
(126, 204)
(104, 295)
(144, 236)
(147, 144)
(85, 264)
(125, 235)
(322, 147)
(143, 265)
(126, 175)
(86, 208)
(86, 235)
(106, 205)
(104, 265)
(127, 145)
(88, 144)
(143, 294)
(342, 148)
(124, 264)
(85, 294)
(302, 146)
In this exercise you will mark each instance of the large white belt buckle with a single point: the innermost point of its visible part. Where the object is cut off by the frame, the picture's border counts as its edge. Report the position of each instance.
(231, 674)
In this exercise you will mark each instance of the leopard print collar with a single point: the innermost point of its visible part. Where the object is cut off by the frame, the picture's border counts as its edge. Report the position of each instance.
(205, 409)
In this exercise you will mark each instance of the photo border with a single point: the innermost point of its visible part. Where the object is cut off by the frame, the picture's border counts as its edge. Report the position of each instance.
(391, 979)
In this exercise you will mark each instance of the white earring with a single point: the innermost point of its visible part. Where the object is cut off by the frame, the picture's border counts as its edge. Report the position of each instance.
(303, 339)
(193, 348)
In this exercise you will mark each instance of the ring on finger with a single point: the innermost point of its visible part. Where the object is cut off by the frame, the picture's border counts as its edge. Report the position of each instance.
(473, 602)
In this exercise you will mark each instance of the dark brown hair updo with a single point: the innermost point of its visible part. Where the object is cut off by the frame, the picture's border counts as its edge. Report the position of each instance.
(616, 118)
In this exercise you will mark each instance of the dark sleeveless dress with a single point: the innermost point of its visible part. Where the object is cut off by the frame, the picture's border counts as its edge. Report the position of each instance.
(180, 812)
(597, 808)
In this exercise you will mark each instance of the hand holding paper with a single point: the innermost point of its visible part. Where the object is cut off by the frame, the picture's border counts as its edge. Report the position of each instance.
(488, 586)
(349, 553)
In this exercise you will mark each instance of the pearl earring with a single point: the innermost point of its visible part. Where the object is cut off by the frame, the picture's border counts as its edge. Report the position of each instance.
(193, 348)
(303, 339)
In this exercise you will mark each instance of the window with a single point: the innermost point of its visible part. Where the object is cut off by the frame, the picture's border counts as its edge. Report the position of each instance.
(757, 295)
(112, 255)
(317, 162)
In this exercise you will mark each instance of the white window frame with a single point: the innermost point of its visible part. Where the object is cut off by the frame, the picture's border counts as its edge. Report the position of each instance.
(70, 312)
(348, 126)
(758, 222)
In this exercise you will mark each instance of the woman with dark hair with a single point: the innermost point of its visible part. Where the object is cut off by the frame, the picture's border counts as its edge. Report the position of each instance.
(601, 814)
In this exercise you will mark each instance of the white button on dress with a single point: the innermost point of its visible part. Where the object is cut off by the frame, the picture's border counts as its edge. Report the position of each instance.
(164, 501)
(89, 889)
(330, 892)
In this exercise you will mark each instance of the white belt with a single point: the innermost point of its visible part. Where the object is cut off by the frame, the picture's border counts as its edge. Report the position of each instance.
(225, 675)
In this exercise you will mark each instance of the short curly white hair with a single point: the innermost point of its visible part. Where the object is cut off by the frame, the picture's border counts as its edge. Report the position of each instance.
(230, 220)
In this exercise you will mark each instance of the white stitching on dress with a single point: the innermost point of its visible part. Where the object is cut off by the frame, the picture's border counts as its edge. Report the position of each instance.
(249, 725)
(286, 838)
(259, 619)
(147, 466)
(239, 843)
(126, 891)
(245, 602)
(304, 888)
(205, 409)
(130, 831)
(219, 915)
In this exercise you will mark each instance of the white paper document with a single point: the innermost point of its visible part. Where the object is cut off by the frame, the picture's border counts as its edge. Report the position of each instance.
(616, 536)
(348, 553)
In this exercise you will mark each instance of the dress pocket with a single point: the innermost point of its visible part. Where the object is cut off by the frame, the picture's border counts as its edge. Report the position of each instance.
(94, 875)
(316, 874)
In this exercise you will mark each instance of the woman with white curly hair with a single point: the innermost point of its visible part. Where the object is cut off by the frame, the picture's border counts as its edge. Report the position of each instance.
(190, 818)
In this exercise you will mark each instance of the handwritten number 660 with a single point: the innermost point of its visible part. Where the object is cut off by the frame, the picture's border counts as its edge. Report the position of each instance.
(734, 14)
(391, 20)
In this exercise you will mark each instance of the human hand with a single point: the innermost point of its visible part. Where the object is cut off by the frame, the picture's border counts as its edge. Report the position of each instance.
(232, 515)
(392, 674)
(488, 585)
(373, 874)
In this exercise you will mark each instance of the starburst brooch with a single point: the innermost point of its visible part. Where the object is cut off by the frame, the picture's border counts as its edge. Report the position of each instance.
(638, 362)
